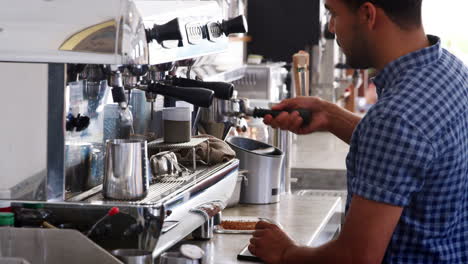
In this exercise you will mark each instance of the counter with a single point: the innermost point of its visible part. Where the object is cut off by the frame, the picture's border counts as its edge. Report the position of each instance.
(318, 161)
(320, 151)
(309, 220)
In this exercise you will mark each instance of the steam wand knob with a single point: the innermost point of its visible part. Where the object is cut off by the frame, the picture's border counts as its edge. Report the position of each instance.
(168, 31)
(234, 25)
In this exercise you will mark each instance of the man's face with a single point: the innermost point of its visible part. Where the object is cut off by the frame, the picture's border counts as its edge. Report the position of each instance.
(350, 34)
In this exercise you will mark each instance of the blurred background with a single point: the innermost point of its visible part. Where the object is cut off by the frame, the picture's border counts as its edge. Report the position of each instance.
(448, 20)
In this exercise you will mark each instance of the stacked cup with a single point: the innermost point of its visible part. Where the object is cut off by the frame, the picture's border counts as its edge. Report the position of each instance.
(177, 124)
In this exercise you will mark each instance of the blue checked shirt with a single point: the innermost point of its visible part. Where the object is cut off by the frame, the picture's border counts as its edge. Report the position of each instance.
(411, 150)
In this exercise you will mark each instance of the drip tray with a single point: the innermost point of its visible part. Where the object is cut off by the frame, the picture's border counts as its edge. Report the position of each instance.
(168, 186)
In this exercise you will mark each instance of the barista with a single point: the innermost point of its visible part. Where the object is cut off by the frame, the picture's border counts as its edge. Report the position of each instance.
(407, 168)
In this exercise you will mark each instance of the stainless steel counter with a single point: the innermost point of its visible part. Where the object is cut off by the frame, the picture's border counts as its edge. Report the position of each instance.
(309, 220)
(318, 162)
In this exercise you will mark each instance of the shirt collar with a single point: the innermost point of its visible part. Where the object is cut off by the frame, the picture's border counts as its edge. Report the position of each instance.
(414, 59)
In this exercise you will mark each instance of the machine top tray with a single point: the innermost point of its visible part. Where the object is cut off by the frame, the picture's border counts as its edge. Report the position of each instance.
(158, 192)
(160, 144)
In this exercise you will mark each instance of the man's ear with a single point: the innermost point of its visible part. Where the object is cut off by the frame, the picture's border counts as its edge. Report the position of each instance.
(368, 15)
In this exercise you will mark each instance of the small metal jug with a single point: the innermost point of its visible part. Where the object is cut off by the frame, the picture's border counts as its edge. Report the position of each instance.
(126, 170)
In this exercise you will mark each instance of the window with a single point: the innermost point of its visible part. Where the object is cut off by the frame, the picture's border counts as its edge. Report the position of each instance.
(448, 19)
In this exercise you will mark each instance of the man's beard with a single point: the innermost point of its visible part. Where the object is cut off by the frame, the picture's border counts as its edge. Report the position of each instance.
(358, 54)
(358, 62)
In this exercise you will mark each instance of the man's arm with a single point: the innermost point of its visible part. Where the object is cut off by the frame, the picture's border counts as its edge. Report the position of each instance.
(326, 116)
(342, 122)
(364, 238)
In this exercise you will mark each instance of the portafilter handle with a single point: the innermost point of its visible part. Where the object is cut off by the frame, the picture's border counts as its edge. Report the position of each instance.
(222, 90)
(260, 112)
(200, 97)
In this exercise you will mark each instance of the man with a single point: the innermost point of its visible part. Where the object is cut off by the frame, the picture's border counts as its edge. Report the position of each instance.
(408, 160)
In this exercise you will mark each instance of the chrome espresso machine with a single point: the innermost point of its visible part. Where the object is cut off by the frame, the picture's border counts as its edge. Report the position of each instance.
(78, 73)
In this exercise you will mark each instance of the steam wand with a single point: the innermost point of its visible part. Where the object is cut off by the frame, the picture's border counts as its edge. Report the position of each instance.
(113, 211)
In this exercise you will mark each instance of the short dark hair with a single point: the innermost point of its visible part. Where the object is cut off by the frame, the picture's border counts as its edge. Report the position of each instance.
(405, 13)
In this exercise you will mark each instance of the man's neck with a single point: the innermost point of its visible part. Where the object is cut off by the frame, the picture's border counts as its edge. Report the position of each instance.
(395, 43)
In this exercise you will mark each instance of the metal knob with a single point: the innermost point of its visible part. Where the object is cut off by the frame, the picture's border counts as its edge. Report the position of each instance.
(205, 231)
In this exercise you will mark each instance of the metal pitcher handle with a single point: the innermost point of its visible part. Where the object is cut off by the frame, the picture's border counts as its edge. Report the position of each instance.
(243, 174)
(209, 209)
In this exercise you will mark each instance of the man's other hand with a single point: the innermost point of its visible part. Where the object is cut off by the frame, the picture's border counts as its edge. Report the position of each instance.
(270, 243)
(293, 122)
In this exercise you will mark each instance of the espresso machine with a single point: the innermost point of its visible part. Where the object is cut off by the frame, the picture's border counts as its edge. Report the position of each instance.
(78, 73)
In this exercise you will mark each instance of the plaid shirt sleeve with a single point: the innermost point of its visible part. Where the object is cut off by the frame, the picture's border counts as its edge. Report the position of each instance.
(390, 161)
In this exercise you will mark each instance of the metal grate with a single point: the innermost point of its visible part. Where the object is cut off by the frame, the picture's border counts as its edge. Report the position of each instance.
(163, 188)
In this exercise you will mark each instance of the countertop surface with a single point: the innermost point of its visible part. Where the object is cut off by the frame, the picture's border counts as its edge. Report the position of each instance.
(304, 218)
(318, 161)
(320, 150)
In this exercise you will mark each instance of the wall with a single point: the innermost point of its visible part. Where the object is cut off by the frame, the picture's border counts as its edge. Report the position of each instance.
(23, 116)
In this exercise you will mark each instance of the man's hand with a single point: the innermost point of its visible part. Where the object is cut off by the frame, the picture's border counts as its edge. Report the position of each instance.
(325, 116)
(367, 230)
(270, 243)
(293, 122)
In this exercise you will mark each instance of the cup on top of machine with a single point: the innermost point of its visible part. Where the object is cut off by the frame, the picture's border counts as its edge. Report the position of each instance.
(126, 170)
(177, 124)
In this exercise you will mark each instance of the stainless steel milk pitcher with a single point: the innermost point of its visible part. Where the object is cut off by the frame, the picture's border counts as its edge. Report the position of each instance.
(126, 170)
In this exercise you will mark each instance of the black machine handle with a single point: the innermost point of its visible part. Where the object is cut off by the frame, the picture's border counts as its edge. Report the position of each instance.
(235, 25)
(305, 114)
(168, 31)
(118, 94)
(200, 97)
(222, 90)
(78, 123)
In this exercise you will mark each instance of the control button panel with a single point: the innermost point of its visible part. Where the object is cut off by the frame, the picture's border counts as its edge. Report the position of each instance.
(214, 31)
(194, 32)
